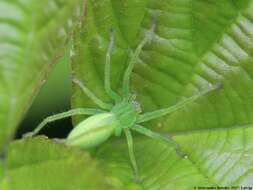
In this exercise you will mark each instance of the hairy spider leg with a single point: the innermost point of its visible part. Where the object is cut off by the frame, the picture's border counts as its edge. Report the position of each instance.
(107, 79)
(155, 114)
(131, 154)
(126, 94)
(164, 111)
(126, 78)
(158, 136)
(92, 96)
(77, 111)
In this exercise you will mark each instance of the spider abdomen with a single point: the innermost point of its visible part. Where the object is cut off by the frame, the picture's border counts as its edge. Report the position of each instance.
(93, 130)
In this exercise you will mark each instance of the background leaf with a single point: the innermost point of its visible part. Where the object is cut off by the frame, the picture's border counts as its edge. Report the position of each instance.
(45, 104)
(41, 164)
(32, 37)
(197, 44)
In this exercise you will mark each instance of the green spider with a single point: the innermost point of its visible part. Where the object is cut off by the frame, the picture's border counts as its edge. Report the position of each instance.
(122, 116)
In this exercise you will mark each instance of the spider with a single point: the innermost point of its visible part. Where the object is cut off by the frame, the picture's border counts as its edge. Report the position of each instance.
(124, 115)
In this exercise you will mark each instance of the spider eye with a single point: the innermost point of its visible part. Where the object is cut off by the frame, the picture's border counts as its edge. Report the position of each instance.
(137, 106)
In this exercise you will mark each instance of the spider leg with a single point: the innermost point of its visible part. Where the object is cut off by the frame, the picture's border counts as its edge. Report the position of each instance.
(158, 136)
(107, 79)
(78, 111)
(126, 79)
(164, 111)
(131, 154)
(92, 96)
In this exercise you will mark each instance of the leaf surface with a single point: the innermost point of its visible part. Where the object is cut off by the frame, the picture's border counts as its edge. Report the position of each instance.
(41, 164)
(197, 44)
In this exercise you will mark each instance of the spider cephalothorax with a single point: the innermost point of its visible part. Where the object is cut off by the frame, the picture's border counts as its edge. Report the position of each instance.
(124, 116)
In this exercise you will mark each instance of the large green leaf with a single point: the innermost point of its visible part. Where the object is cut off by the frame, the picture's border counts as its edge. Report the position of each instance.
(197, 43)
(45, 165)
(32, 36)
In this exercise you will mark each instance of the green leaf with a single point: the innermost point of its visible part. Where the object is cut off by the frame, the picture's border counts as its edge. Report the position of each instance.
(32, 37)
(197, 43)
(4, 184)
(41, 164)
(1, 171)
